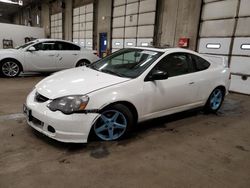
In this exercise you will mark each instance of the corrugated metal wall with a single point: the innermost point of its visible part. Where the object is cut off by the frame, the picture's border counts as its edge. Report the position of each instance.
(225, 30)
(83, 25)
(133, 23)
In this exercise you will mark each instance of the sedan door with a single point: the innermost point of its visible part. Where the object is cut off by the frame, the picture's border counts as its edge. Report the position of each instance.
(176, 92)
(43, 58)
(67, 55)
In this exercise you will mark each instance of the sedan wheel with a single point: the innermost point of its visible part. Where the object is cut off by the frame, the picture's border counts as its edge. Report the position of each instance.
(215, 100)
(82, 63)
(114, 123)
(10, 69)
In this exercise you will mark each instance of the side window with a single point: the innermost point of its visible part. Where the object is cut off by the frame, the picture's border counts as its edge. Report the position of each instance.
(200, 63)
(174, 64)
(45, 46)
(66, 46)
(38, 46)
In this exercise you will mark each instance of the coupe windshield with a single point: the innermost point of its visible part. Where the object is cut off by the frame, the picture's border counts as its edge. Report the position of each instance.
(128, 63)
(24, 45)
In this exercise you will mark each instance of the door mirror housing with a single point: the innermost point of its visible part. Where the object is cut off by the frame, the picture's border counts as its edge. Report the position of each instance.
(31, 49)
(157, 75)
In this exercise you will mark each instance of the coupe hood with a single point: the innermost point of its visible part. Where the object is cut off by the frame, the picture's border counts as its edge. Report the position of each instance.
(76, 81)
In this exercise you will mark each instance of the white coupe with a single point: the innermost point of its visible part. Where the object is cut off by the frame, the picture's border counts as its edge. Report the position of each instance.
(44, 55)
(132, 85)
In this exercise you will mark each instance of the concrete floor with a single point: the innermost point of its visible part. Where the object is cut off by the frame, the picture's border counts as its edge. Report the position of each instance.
(188, 149)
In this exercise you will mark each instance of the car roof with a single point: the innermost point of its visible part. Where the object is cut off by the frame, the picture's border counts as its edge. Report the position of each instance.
(165, 49)
(60, 40)
(47, 40)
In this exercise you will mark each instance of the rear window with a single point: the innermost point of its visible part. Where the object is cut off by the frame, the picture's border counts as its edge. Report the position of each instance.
(200, 63)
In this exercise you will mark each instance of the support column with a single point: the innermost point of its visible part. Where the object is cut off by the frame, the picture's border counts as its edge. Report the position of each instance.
(68, 17)
(103, 20)
(45, 18)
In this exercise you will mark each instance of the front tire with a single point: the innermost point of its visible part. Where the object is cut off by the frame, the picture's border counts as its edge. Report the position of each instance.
(10, 68)
(114, 123)
(215, 100)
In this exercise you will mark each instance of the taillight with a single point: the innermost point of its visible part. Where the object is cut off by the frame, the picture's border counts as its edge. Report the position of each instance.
(229, 76)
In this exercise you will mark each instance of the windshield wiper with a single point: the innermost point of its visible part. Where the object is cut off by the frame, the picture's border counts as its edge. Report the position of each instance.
(92, 67)
(111, 72)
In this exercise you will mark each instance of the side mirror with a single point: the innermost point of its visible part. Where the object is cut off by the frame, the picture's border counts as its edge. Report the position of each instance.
(31, 49)
(157, 75)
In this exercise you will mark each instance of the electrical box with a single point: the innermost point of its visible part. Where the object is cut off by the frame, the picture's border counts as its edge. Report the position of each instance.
(183, 42)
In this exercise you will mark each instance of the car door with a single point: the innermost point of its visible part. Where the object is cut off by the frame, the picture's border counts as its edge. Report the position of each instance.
(177, 91)
(67, 55)
(43, 58)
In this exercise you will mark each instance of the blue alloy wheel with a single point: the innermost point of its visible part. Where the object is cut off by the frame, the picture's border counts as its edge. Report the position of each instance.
(216, 99)
(111, 125)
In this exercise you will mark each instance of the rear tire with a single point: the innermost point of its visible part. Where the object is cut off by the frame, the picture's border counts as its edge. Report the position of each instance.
(215, 100)
(114, 123)
(82, 63)
(10, 68)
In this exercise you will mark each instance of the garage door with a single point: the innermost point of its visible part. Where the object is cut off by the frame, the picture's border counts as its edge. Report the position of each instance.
(83, 25)
(225, 31)
(56, 26)
(133, 23)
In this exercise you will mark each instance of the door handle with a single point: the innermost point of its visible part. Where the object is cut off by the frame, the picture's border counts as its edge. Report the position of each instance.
(74, 54)
(51, 55)
(190, 83)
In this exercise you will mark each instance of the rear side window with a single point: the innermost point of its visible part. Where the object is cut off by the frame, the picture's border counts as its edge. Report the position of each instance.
(199, 63)
(66, 46)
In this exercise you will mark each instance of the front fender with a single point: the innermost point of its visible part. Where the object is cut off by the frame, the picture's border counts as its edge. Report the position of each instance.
(124, 92)
(18, 57)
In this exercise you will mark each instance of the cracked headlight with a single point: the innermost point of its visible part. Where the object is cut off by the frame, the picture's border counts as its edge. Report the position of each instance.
(69, 104)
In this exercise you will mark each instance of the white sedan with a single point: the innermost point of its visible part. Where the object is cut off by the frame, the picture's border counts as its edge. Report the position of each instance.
(44, 55)
(112, 95)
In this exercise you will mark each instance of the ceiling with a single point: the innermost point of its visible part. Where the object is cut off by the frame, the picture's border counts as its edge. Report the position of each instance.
(7, 9)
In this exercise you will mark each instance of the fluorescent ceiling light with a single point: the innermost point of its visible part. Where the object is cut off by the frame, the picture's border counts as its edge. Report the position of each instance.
(12, 2)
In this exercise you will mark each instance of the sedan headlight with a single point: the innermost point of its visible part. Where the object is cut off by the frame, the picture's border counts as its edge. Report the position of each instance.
(69, 104)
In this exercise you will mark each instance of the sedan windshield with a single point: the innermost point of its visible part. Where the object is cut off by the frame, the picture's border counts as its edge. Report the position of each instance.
(128, 63)
(24, 45)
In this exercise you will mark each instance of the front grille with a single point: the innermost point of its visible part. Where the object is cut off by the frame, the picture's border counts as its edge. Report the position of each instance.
(40, 98)
(37, 122)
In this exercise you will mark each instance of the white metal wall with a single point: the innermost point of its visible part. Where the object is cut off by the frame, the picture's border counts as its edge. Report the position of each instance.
(56, 26)
(20, 33)
(83, 25)
(133, 23)
(225, 30)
